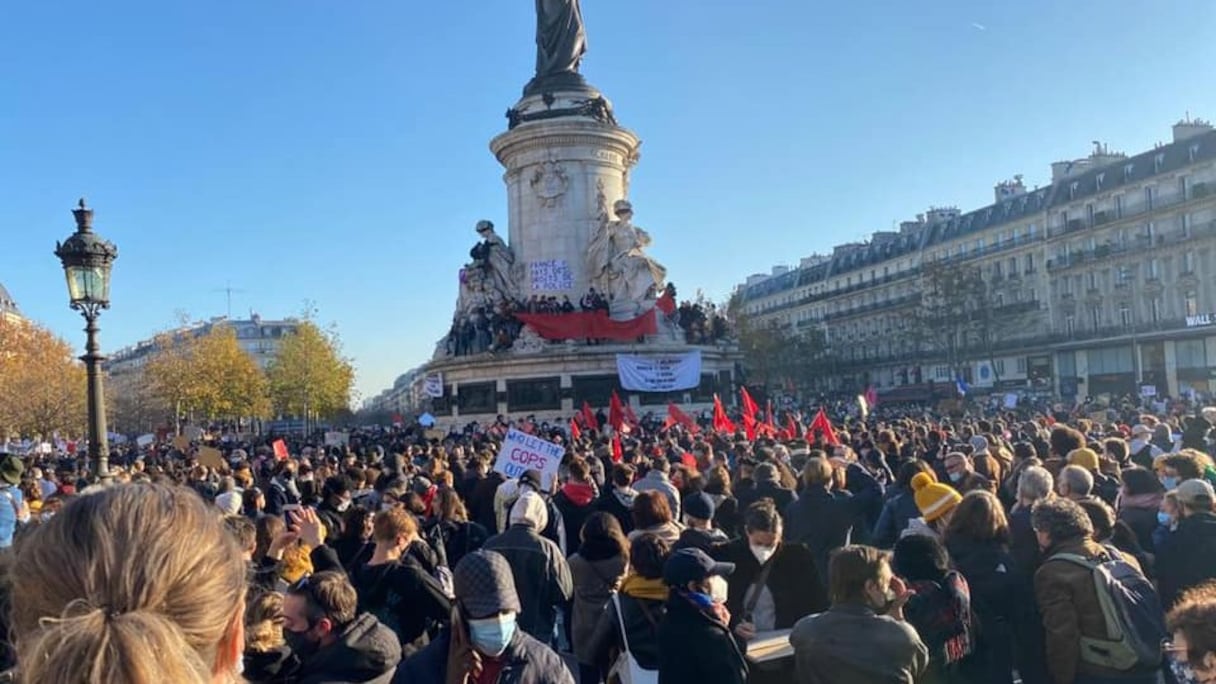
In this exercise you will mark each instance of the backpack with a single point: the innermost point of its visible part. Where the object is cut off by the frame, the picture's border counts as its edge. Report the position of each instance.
(441, 572)
(1131, 608)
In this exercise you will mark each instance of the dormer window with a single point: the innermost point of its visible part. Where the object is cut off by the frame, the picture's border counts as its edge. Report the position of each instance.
(1158, 162)
(1127, 171)
(1072, 189)
(1193, 152)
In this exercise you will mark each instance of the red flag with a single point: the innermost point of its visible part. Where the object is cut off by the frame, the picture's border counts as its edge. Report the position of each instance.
(822, 425)
(666, 303)
(631, 418)
(575, 433)
(616, 413)
(280, 450)
(791, 428)
(617, 452)
(871, 396)
(721, 422)
(749, 413)
(677, 417)
(589, 418)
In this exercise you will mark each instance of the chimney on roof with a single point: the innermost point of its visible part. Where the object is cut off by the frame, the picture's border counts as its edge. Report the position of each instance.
(1189, 128)
(1009, 189)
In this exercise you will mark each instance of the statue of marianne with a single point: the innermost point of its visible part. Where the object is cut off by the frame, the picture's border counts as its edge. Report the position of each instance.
(561, 39)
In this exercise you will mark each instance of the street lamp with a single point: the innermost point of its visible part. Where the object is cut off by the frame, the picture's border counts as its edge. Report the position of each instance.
(87, 258)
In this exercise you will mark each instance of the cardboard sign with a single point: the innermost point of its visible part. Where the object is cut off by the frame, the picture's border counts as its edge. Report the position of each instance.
(181, 443)
(210, 457)
(521, 451)
(280, 450)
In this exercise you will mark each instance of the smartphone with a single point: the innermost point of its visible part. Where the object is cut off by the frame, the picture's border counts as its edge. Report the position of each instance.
(288, 509)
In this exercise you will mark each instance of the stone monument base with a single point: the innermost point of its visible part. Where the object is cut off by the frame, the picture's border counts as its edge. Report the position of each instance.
(553, 384)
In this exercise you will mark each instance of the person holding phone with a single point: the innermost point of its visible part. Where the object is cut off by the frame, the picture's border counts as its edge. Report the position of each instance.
(484, 643)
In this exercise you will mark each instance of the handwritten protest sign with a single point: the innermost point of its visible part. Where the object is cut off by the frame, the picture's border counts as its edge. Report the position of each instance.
(210, 457)
(553, 275)
(521, 451)
(280, 450)
(337, 439)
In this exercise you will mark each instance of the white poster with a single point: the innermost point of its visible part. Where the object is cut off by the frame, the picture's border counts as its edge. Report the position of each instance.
(669, 373)
(1011, 401)
(521, 451)
(337, 439)
(433, 385)
(553, 275)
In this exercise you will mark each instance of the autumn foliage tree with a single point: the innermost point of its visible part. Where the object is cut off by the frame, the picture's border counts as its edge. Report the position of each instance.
(42, 385)
(209, 376)
(309, 376)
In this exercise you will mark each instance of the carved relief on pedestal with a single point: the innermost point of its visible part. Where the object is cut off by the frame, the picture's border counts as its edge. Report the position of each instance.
(549, 182)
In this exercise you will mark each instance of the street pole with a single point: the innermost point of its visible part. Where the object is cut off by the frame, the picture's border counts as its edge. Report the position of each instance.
(99, 447)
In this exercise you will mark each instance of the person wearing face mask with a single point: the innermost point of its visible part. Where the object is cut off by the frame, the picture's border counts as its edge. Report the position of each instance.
(695, 640)
(330, 640)
(862, 638)
(1187, 558)
(282, 490)
(484, 644)
(774, 584)
(700, 532)
(336, 496)
(963, 477)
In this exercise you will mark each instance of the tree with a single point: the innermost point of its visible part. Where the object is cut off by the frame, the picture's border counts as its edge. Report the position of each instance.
(961, 315)
(208, 375)
(309, 376)
(42, 385)
(775, 355)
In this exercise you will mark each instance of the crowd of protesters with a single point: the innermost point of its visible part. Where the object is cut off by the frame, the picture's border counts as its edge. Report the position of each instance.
(906, 547)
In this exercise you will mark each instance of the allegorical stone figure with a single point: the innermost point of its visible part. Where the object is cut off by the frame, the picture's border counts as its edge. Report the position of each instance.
(496, 261)
(616, 261)
(560, 38)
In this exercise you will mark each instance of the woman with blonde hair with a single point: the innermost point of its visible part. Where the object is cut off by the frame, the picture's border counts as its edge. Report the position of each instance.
(131, 584)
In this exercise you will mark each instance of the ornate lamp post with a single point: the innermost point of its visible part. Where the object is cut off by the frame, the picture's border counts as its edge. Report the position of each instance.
(87, 258)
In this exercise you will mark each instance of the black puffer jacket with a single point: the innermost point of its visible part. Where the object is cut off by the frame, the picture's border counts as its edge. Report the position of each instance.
(404, 598)
(366, 652)
(695, 649)
(526, 661)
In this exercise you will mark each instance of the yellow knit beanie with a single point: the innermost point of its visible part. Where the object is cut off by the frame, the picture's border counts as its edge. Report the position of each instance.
(933, 499)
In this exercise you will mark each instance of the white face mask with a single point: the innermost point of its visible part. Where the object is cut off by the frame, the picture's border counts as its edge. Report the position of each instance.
(718, 589)
(763, 553)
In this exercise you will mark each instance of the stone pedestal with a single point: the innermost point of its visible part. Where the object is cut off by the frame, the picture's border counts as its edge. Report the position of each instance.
(566, 162)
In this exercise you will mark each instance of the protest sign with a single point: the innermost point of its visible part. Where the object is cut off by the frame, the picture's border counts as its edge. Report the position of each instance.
(210, 457)
(181, 443)
(521, 451)
(670, 373)
(144, 440)
(280, 450)
(337, 439)
(432, 385)
(1011, 401)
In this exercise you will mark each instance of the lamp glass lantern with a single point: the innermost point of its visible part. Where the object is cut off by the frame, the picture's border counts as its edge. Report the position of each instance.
(87, 259)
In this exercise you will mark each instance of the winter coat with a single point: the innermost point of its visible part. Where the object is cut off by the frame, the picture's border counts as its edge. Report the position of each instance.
(781, 496)
(594, 582)
(542, 576)
(695, 649)
(793, 581)
(642, 610)
(823, 522)
(867, 497)
(1187, 557)
(896, 512)
(1140, 514)
(1068, 603)
(619, 504)
(850, 643)
(668, 532)
(705, 540)
(526, 661)
(576, 501)
(459, 538)
(481, 501)
(941, 614)
(366, 652)
(404, 598)
(658, 482)
(266, 666)
(1023, 543)
(1195, 436)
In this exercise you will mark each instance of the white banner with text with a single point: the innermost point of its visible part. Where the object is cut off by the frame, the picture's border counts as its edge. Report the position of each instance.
(668, 373)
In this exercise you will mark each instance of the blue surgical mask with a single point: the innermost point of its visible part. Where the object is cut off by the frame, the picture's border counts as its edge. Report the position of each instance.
(955, 477)
(492, 635)
(1164, 518)
(1169, 482)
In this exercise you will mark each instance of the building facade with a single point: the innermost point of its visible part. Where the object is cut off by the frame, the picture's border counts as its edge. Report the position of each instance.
(1101, 282)
(9, 313)
(259, 338)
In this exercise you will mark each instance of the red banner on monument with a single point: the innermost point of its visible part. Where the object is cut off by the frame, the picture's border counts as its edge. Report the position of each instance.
(589, 325)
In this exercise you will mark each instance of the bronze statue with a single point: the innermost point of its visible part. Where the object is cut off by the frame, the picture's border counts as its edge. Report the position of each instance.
(561, 42)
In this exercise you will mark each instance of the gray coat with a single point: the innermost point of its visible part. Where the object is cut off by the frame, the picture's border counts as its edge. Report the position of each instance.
(593, 585)
(542, 577)
(850, 643)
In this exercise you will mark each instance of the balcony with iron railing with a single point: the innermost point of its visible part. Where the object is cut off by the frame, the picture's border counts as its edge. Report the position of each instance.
(1196, 193)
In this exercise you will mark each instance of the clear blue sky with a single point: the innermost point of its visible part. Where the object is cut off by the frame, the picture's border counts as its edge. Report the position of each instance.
(336, 150)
